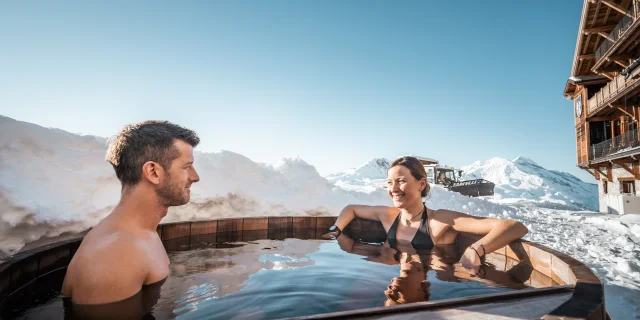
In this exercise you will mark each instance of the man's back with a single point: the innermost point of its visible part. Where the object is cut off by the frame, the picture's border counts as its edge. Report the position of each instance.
(112, 264)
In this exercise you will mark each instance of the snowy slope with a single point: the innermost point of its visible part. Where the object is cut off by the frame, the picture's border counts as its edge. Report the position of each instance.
(521, 181)
(365, 178)
(53, 182)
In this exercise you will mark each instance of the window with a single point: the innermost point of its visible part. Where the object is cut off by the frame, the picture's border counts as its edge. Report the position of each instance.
(628, 187)
(429, 174)
(604, 187)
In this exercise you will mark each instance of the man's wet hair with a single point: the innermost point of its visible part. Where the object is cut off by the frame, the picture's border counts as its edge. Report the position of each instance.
(146, 141)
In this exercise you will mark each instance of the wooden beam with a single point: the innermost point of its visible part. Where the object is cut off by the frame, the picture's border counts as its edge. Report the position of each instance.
(622, 57)
(595, 16)
(623, 166)
(597, 175)
(586, 46)
(619, 62)
(624, 160)
(613, 130)
(593, 174)
(606, 36)
(594, 119)
(587, 56)
(609, 174)
(617, 8)
(636, 170)
(625, 112)
(605, 75)
(606, 28)
(598, 171)
(630, 104)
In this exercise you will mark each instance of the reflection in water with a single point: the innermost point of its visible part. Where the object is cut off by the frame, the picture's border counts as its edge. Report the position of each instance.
(411, 285)
(422, 272)
(136, 307)
(266, 279)
(202, 275)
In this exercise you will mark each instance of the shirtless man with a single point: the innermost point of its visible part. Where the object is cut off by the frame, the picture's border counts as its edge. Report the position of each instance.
(154, 162)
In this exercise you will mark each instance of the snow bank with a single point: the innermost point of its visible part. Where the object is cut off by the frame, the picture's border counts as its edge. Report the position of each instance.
(607, 244)
(53, 182)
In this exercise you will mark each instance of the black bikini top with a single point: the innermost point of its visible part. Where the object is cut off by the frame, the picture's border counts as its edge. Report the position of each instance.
(422, 239)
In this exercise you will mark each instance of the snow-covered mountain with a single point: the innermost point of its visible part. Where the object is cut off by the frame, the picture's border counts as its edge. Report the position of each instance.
(522, 181)
(368, 177)
(518, 182)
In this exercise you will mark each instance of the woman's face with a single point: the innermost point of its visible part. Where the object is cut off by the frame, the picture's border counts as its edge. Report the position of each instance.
(402, 187)
(410, 286)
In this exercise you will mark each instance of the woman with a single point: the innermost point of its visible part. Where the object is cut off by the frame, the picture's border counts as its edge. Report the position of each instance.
(411, 285)
(410, 221)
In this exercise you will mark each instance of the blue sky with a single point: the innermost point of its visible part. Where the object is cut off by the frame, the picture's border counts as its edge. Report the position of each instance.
(336, 83)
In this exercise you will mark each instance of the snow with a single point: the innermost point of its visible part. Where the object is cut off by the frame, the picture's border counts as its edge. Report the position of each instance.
(54, 183)
(522, 181)
(366, 178)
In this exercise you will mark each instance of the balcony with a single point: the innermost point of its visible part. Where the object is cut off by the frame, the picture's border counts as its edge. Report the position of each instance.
(603, 97)
(617, 146)
(618, 31)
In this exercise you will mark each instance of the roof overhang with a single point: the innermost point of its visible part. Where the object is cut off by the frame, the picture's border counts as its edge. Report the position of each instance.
(427, 161)
(573, 82)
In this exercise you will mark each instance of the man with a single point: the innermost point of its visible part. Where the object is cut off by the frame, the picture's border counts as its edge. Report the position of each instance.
(154, 162)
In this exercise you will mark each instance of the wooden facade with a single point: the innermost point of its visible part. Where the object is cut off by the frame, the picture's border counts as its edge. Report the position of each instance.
(605, 87)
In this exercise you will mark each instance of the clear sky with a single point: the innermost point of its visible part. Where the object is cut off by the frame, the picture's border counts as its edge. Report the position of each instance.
(336, 83)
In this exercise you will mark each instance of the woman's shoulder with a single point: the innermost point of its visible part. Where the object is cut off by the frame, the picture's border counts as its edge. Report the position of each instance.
(442, 214)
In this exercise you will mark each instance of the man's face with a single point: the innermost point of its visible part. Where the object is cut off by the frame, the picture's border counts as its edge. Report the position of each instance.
(176, 187)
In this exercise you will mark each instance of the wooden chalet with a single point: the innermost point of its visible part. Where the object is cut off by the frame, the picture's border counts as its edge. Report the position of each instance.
(605, 88)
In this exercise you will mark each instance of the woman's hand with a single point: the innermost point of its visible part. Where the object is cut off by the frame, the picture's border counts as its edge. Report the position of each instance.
(470, 258)
(471, 261)
(345, 243)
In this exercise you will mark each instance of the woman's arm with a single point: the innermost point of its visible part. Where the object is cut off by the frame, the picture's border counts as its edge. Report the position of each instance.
(498, 232)
(378, 213)
(375, 253)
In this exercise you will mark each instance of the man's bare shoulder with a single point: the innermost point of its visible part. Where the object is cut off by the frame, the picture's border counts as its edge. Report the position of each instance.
(110, 244)
(115, 260)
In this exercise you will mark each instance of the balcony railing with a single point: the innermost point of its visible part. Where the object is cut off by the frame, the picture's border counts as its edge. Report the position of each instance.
(621, 143)
(618, 31)
(596, 102)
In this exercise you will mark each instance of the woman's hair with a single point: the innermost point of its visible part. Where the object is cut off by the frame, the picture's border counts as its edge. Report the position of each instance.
(415, 167)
